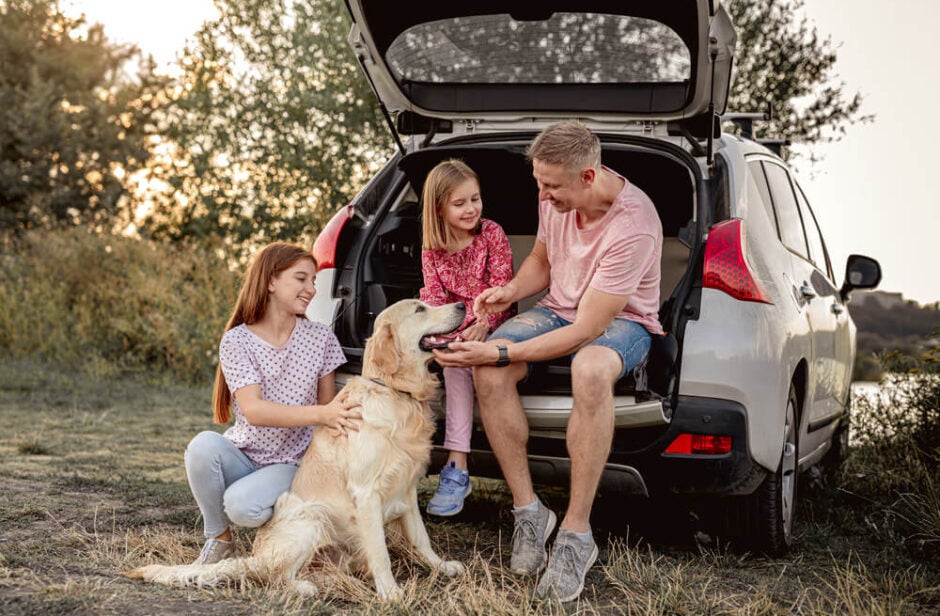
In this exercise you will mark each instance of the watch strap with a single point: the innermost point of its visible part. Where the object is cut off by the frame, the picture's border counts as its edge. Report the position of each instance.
(503, 355)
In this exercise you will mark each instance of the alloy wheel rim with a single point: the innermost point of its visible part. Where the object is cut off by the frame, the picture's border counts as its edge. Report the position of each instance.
(788, 470)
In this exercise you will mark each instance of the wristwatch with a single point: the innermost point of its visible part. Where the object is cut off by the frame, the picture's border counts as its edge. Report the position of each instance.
(503, 355)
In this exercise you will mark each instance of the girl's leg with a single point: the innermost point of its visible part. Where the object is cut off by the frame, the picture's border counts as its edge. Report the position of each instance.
(249, 502)
(454, 483)
(212, 464)
(458, 386)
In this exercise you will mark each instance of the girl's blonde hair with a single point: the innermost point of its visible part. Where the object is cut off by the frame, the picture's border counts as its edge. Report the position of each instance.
(250, 307)
(440, 183)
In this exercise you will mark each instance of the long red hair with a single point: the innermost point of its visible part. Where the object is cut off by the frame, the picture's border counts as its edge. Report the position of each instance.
(251, 306)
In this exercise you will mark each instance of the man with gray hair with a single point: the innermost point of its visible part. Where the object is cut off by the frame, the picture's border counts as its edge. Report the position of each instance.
(598, 252)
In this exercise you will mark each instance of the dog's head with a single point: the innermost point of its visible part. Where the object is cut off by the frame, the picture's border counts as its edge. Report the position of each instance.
(399, 350)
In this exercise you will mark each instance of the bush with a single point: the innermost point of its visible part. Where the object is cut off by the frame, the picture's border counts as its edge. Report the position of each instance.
(895, 460)
(108, 304)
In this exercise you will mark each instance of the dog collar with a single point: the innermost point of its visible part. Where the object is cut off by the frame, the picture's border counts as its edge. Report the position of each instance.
(384, 384)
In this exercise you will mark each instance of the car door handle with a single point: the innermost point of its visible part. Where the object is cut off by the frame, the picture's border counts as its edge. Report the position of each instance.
(837, 309)
(807, 292)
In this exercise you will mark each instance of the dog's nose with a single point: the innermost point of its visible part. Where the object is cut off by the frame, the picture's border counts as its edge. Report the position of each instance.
(461, 307)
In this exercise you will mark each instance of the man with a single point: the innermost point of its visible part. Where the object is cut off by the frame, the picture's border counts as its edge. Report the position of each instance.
(598, 251)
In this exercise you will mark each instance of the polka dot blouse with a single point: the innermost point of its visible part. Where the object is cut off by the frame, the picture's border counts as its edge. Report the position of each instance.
(288, 374)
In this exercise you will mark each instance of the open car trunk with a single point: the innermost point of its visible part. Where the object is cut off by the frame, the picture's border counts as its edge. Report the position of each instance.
(391, 259)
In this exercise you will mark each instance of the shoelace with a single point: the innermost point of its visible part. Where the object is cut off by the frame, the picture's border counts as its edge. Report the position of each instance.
(564, 559)
(208, 547)
(525, 528)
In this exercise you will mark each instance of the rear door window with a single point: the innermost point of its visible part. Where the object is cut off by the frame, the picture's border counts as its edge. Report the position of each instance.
(788, 214)
(760, 182)
(817, 247)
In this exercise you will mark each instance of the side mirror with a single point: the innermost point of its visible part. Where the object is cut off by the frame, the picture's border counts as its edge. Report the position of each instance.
(861, 272)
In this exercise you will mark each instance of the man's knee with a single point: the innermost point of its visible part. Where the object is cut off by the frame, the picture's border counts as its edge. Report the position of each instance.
(490, 381)
(594, 370)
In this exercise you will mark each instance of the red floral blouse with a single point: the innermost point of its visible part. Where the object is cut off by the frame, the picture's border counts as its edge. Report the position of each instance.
(461, 276)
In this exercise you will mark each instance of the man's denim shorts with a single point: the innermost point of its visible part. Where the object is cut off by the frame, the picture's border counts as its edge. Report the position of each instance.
(628, 338)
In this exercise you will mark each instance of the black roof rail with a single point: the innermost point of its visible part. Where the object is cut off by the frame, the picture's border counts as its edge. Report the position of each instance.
(745, 121)
(774, 145)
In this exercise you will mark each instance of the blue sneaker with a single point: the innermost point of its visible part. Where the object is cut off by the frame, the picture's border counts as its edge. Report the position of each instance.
(453, 487)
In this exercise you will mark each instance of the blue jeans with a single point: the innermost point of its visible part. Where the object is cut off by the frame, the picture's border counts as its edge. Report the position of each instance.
(628, 339)
(228, 487)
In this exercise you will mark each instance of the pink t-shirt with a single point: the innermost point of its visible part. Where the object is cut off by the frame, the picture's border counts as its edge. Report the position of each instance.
(461, 276)
(288, 374)
(619, 254)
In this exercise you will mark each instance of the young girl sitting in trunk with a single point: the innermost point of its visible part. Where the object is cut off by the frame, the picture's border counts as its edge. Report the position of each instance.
(462, 255)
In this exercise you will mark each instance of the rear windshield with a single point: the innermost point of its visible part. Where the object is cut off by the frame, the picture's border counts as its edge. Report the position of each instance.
(565, 48)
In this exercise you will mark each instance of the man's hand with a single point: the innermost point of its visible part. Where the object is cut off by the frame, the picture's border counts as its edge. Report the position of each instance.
(466, 354)
(493, 300)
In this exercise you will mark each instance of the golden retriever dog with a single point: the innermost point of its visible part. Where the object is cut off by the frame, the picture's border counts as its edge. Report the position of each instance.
(348, 488)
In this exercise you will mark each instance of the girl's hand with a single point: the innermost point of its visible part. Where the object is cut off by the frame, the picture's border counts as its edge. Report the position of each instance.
(476, 332)
(339, 415)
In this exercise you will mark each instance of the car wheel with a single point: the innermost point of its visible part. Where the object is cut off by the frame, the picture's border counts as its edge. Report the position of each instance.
(832, 461)
(763, 520)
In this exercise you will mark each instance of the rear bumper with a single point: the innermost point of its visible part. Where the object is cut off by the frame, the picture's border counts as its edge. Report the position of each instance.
(637, 464)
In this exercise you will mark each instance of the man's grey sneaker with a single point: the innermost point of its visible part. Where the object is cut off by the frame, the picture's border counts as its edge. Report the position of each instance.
(569, 563)
(529, 536)
(452, 488)
(215, 550)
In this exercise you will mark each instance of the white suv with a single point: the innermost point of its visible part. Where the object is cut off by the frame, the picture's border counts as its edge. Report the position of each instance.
(751, 385)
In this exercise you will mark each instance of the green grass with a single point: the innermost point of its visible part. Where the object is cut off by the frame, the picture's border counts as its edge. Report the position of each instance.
(94, 485)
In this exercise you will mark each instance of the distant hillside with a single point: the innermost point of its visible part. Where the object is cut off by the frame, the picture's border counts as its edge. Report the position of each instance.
(887, 322)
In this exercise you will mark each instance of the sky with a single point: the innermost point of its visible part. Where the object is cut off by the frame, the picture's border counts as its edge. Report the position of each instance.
(872, 191)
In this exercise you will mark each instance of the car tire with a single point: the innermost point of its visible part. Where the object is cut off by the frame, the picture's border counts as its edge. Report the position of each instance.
(763, 521)
(832, 461)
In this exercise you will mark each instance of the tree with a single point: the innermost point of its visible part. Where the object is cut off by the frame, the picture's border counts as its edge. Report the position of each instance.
(73, 125)
(781, 61)
(273, 126)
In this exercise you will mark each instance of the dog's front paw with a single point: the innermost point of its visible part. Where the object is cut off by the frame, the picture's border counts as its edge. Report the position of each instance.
(452, 568)
(389, 592)
(305, 588)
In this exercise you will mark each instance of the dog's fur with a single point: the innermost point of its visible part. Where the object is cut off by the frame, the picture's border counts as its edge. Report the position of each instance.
(348, 487)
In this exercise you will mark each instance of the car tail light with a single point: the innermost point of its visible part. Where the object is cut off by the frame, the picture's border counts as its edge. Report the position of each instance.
(700, 444)
(324, 247)
(725, 268)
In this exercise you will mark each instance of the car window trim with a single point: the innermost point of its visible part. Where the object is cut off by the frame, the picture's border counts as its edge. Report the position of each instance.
(822, 239)
(766, 159)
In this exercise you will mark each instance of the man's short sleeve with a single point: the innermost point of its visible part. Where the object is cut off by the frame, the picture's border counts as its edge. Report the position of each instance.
(236, 364)
(622, 267)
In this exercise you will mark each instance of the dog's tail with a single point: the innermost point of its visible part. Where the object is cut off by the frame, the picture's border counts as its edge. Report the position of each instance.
(295, 532)
(224, 571)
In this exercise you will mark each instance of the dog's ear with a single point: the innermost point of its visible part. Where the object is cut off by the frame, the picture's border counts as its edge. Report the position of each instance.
(385, 355)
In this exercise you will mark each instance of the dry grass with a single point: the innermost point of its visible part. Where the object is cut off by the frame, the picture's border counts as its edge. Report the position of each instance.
(94, 485)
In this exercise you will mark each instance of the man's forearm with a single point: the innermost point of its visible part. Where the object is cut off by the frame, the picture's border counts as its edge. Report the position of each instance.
(533, 276)
(558, 343)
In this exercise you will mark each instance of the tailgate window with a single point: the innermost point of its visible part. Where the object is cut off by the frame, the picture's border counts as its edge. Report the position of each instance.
(575, 48)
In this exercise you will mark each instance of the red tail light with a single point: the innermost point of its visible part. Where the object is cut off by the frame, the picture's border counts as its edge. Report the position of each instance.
(700, 444)
(725, 267)
(324, 247)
